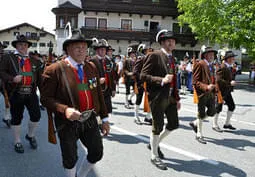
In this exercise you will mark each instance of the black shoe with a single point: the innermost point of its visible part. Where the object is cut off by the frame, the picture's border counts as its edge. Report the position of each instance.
(130, 102)
(229, 127)
(148, 120)
(32, 141)
(217, 129)
(194, 127)
(159, 164)
(160, 153)
(7, 122)
(138, 121)
(201, 140)
(18, 147)
(127, 106)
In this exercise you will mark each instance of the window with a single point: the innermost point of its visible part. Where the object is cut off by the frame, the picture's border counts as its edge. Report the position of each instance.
(102, 23)
(90, 22)
(73, 21)
(42, 34)
(186, 29)
(6, 43)
(176, 28)
(42, 44)
(155, 1)
(61, 22)
(15, 33)
(126, 24)
(28, 34)
(34, 44)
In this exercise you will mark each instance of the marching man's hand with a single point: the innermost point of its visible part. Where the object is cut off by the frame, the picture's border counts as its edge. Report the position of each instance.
(102, 80)
(105, 128)
(17, 79)
(72, 114)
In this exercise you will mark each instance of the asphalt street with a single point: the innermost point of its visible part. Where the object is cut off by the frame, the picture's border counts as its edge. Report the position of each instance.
(226, 154)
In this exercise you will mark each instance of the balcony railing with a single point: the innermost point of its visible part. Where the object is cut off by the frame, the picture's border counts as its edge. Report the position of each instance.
(134, 34)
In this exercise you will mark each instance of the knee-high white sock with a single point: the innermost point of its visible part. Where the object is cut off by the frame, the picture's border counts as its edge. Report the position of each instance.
(163, 134)
(229, 115)
(137, 111)
(16, 133)
(199, 127)
(132, 95)
(31, 128)
(70, 172)
(7, 114)
(154, 141)
(148, 115)
(117, 88)
(85, 168)
(195, 122)
(215, 120)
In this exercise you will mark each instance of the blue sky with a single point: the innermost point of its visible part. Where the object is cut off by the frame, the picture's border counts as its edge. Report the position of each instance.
(35, 12)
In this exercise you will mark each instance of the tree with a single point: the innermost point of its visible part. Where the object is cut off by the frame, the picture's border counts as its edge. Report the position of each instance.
(230, 22)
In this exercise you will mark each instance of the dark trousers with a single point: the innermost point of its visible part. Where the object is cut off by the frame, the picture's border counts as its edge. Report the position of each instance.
(71, 132)
(206, 101)
(108, 99)
(160, 106)
(139, 96)
(229, 102)
(18, 103)
(128, 83)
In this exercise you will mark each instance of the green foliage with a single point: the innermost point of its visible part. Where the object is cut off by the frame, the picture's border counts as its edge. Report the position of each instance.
(229, 22)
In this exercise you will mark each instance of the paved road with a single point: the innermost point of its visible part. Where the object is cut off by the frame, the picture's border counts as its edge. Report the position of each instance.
(125, 155)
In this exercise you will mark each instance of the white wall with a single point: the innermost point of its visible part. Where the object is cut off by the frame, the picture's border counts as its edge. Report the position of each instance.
(9, 36)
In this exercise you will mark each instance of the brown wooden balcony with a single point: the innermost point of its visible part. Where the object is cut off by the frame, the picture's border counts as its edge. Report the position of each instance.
(138, 35)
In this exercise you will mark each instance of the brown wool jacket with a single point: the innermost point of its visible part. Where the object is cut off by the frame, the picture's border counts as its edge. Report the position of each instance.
(154, 70)
(224, 78)
(100, 68)
(201, 80)
(8, 71)
(54, 95)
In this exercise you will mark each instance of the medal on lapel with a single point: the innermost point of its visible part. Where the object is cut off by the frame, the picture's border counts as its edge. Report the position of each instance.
(94, 81)
(90, 84)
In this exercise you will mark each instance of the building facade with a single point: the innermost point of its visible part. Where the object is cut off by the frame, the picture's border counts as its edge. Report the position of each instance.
(41, 39)
(123, 22)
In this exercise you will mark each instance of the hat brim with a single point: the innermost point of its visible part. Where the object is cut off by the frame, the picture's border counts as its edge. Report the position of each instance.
(97, 47)
(229, 57)
(208, 51)
(166, 37)
(14, 43)
(71, 41)
(111, 49)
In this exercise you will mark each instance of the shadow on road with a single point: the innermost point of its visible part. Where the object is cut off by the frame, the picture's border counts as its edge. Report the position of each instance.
(237, 144)
(204, 169)
(125, 139)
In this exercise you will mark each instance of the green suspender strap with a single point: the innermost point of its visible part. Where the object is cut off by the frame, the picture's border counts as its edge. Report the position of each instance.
(27, 74)
(83, 87)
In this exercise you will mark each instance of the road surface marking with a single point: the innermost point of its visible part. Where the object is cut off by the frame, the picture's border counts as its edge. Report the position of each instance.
(168, 147)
